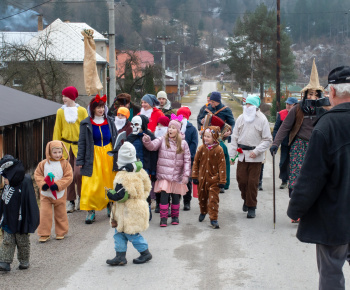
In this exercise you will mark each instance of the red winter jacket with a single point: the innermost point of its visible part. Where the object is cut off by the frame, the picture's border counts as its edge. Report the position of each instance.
(152, 124)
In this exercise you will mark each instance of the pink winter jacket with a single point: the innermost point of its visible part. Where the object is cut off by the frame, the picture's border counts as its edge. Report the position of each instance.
(171, 166)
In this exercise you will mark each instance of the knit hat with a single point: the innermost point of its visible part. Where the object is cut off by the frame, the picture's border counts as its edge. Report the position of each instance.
(151, 100)
(124, 111)
(253, 100)
(209, 95)
(164, 120)
(214, 131)
(126, 154)
(54, 144)
(70, 92)
(162, 94)
(215, 96)
(184, 111)
(314, 83)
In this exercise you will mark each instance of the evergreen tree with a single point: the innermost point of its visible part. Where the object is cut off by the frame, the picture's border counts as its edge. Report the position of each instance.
(61, 10)
(148, 84)
(129, 79)
(255, 37)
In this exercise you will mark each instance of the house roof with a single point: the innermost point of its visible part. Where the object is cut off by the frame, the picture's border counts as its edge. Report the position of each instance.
(17, 107)
(144, 58)
(79, 26)
(15, 37)
(67, 43)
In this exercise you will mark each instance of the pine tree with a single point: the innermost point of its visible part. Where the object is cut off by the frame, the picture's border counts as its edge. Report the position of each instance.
(148, 84)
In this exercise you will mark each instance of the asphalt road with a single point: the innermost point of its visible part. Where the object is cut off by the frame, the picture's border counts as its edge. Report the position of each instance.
(242, 254)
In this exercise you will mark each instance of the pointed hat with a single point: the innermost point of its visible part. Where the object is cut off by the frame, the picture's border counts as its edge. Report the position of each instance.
(314, 83)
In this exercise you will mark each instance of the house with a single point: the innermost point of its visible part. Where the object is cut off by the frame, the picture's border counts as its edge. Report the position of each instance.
(26, 125)
(66, 45)
(141, 59)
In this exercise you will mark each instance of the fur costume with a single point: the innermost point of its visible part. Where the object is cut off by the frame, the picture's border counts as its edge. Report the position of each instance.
(132, 216)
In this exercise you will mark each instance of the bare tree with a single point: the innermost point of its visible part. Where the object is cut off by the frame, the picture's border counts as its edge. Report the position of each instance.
(33, 68)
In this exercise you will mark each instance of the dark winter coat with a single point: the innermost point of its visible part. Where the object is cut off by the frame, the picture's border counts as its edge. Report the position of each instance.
(321, 197)
(85, 156)
(225, 115)
(23, 200)
(199, 117)
(149, 158)
(191, 137)
(278, 124)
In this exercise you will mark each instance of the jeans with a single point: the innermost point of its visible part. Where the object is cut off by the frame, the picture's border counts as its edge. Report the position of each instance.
(121, 241)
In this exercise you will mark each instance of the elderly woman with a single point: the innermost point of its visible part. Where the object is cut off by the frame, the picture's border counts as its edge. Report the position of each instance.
(97, 134)
(148, 108)
(299, 124)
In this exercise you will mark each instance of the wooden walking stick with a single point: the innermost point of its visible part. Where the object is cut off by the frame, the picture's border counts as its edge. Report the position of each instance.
(274, 191)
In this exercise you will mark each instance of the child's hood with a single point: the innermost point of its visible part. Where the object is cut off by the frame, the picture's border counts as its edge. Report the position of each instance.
(12, 169)
(54, 144)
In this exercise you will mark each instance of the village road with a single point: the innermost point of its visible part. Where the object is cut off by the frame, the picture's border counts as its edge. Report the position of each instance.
(242, 254)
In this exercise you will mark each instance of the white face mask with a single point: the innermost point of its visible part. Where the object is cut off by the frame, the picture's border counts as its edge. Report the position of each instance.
(160, 131)
(119, 123)
(136, 124)
(249, 113)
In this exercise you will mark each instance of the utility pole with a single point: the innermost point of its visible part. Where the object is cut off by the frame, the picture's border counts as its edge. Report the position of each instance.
(163, 40)
(178, 78)
(183, 78)
(111, 34)
(251, 73)
(278, 65)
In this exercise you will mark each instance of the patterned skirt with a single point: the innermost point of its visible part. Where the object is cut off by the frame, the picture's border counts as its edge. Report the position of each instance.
(297, 154)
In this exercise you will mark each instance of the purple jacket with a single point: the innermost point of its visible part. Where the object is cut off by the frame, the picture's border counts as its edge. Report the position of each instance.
(171, 166)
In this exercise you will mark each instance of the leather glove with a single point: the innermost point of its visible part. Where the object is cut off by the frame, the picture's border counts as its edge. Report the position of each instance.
(184, 180)
(53, 187)
(128, 167)
(195, 181)
(221, 185)
(273, 149)
(45, 187)
(153, 178)
(117, 194)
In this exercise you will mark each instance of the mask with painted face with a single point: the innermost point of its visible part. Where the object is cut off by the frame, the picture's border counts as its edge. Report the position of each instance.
(136, 125)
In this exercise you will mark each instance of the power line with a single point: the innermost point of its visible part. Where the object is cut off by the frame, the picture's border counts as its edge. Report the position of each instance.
(25, 10)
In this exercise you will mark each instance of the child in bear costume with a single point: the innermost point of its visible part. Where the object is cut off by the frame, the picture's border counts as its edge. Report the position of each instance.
(130, 213)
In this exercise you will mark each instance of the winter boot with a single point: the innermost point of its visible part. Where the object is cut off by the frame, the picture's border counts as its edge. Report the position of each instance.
(150, 213)
(118, 260)
(251, 213)
(163, 209)
(144, 257)
(201, 217)
(23, 265)
(187, 205)
(214, 224)
(157, 210)
(90, 217)
(109, 209)
(244, 208)
(222, 190)
(5, 267)
(175, 214)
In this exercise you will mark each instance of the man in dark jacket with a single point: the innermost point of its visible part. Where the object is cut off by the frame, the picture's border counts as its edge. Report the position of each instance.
(201, 113)
(321, 195)
(284, 160)
(191, 137)
(219, 110)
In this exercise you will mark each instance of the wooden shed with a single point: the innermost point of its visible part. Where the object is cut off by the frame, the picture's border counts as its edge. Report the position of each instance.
(26, 125)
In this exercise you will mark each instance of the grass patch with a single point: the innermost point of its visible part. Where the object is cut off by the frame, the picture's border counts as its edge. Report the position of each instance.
(188, 99)
(236, 107)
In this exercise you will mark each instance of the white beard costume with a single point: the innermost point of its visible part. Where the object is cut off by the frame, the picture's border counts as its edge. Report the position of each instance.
(147, 113)
(249, 113)
(119, 123)
(160, 131)
(70, 113)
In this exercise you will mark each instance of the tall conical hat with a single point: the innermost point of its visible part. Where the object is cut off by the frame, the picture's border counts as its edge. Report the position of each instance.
(314, 83)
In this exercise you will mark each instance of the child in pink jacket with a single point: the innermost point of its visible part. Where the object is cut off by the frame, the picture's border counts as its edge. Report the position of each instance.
(173, 168)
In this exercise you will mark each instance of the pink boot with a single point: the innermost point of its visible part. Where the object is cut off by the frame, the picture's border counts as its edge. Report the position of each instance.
(175, 214)
(163, 210)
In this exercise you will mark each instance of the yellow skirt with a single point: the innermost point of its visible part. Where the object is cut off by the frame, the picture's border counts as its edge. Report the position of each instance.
(93, 195)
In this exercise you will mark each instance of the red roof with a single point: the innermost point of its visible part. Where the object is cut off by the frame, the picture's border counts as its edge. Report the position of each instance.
(142, 58)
